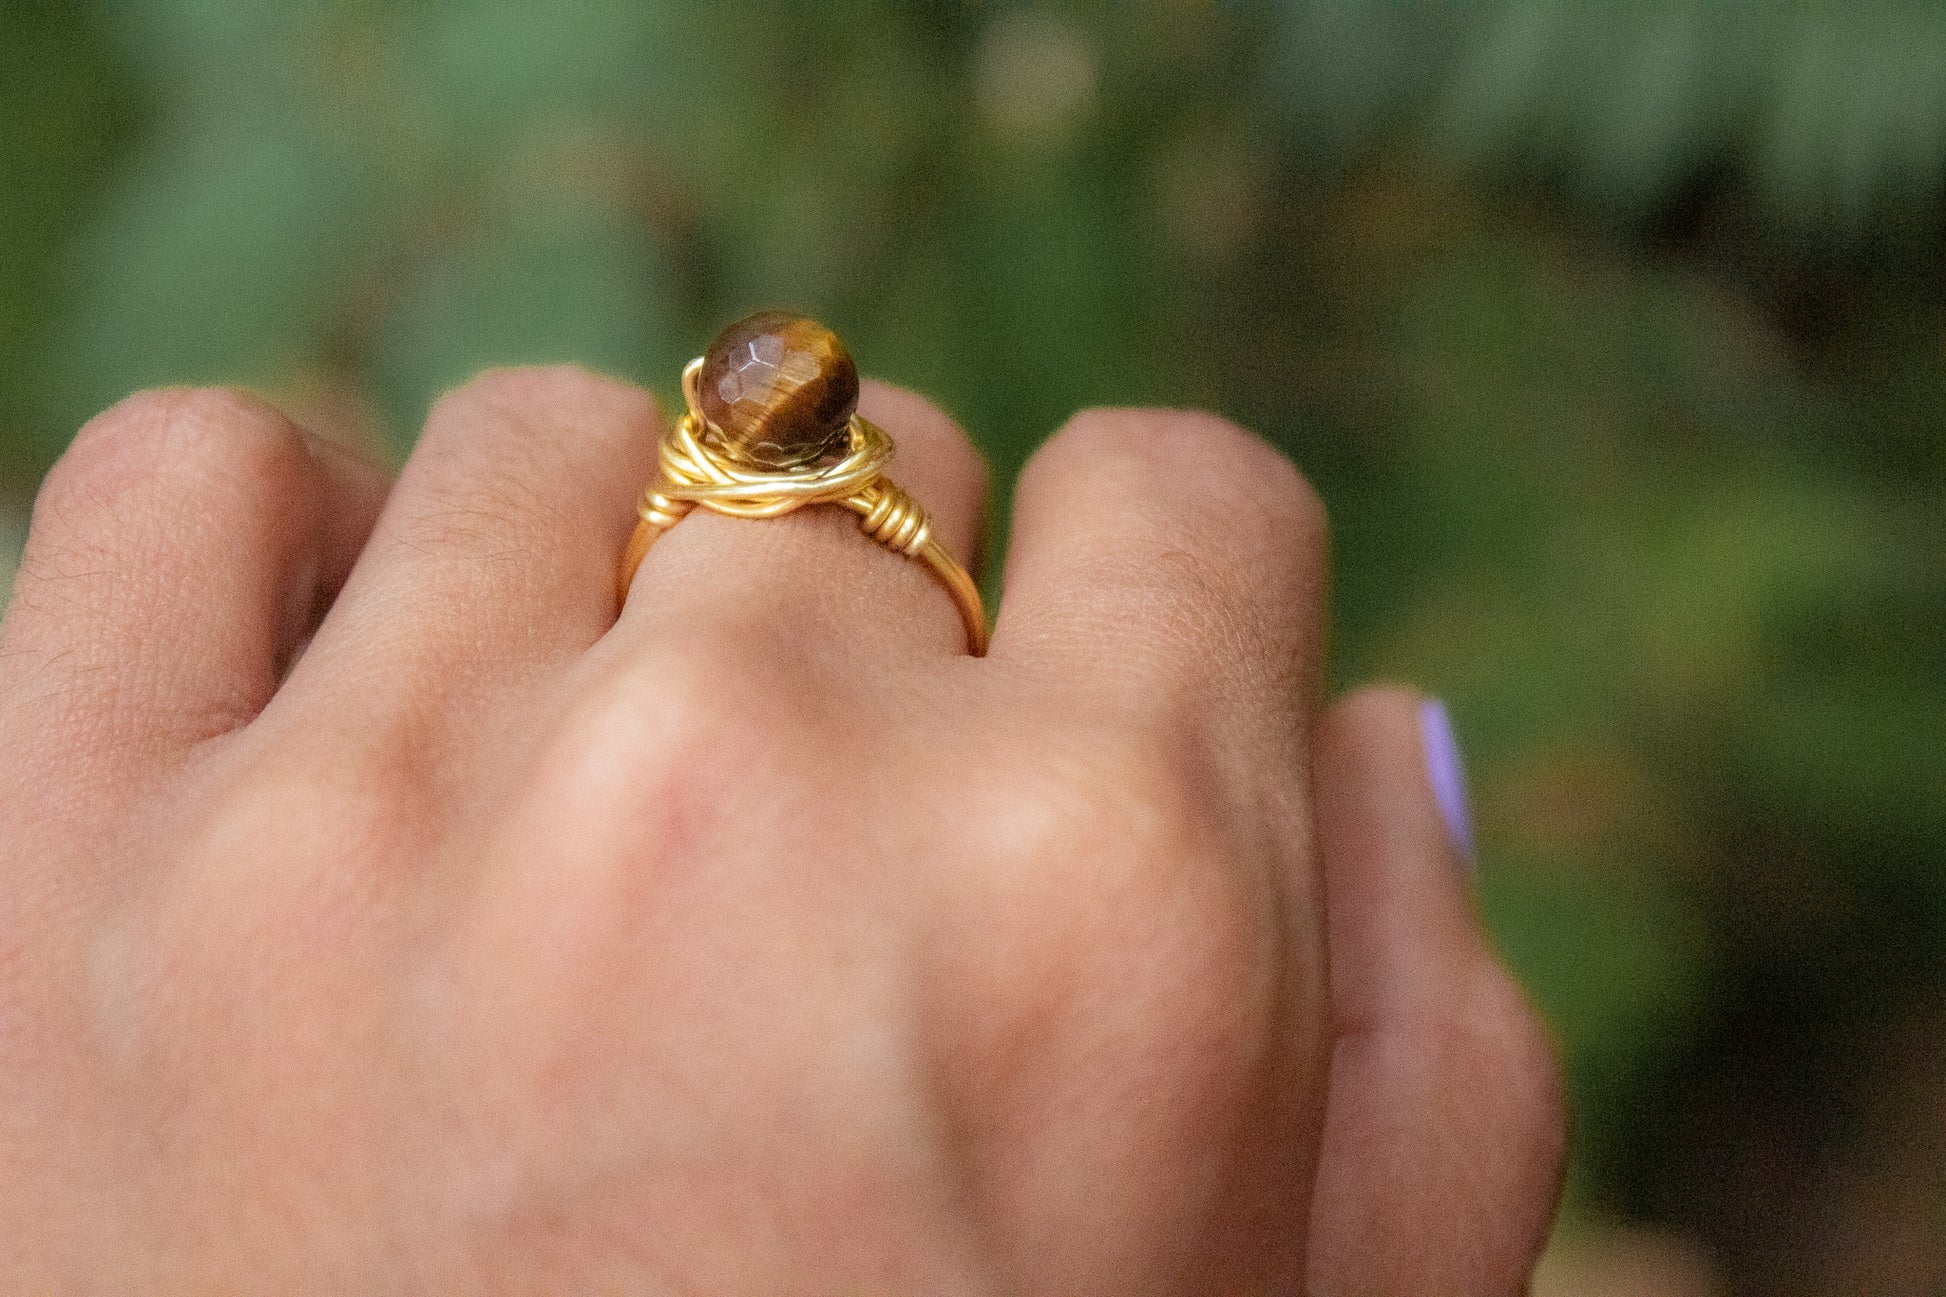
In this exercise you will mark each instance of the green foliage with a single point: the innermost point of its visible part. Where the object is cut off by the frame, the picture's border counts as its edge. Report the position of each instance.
(1833, 116)
(1639, 461)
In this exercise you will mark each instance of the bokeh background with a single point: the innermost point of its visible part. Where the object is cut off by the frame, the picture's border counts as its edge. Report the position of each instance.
(1614, 336)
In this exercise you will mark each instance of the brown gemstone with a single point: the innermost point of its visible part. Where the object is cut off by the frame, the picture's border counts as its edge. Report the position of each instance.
(777, 391)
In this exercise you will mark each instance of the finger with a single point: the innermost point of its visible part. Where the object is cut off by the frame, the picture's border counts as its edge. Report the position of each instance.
(809, 581)
(496, 551)
(1165, 556)
(1443, 1139)
(354, 491)
(174, 561)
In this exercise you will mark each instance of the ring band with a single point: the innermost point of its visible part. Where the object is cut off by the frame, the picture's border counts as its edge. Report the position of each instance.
(698, 468)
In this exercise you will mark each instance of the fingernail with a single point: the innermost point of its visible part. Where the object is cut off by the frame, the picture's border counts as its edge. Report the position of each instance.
(1447, 775)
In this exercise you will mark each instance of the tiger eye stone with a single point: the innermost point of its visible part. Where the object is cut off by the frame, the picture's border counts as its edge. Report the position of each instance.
(777, 391)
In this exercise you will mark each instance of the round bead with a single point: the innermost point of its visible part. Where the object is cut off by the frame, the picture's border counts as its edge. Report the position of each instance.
(777, 391)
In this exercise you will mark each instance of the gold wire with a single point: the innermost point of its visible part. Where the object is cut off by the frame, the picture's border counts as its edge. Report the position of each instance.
(691, 474)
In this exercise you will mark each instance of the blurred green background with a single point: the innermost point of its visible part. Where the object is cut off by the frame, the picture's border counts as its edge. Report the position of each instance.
(1614, 336)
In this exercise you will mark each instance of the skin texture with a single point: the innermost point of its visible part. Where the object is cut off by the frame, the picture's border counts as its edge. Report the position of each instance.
(759, 941)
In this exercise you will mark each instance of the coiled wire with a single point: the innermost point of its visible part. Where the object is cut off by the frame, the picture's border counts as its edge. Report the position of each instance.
(691, 474)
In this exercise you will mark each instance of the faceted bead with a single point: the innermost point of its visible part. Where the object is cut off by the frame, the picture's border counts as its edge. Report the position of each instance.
(777, 391)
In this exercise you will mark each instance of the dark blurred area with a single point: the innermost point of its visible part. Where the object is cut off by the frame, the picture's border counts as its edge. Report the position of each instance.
(1614, 336)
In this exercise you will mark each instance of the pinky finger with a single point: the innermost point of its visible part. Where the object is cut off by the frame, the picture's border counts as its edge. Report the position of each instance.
(1444, 1137)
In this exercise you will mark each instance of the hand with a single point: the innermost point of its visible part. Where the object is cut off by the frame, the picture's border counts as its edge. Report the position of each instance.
(758, 942)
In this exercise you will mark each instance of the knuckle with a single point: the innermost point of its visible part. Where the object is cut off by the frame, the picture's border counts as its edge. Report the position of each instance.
(1079, 855)
(497, 449)
(1193, 446)
(511, 385)
(534, 395)
(681, 750)
(1088, 438)
(159, 450)
(1120, 810)
(660, 716)
(1168, 460)
(281, 838)
(170, 434)
(287, 813)
(481, 405)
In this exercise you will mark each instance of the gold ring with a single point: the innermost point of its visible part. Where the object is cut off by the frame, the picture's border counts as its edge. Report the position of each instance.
(772, 426)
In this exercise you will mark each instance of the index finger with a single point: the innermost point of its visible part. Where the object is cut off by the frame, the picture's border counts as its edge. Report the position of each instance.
(1167, 557)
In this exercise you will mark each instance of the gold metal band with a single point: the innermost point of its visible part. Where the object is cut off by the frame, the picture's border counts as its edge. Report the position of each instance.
(690, 474)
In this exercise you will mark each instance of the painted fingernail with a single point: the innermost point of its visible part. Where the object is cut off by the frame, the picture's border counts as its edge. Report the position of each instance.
(1447, 774)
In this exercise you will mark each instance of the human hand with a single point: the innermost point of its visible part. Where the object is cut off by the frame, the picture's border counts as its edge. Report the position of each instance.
(758, 942)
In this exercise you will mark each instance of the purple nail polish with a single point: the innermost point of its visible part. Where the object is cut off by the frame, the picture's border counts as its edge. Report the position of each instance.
(1447, 774)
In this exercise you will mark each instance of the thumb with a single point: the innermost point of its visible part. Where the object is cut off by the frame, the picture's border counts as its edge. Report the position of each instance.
(1443, 1138)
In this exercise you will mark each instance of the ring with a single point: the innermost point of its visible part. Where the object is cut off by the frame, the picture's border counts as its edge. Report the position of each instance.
(772, 426)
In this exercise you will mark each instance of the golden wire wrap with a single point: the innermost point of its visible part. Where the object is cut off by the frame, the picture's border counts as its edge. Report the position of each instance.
(690, 474)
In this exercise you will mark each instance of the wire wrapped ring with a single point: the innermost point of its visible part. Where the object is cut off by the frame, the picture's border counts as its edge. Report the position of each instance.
(692, 474)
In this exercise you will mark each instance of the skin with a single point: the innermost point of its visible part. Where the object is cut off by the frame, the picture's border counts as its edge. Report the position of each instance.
(759, 941)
